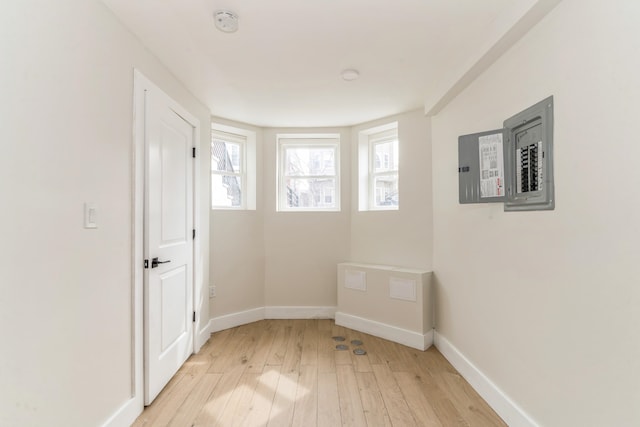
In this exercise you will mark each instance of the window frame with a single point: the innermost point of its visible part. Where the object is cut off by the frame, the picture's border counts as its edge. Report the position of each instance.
(247, 143)
(368, 139)
(322, 141)
(376, 139)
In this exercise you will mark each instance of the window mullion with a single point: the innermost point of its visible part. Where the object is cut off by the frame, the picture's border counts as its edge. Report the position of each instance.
(227, 172)
(311, 176)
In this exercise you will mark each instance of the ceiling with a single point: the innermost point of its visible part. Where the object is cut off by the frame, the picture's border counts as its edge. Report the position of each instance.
(282, 67)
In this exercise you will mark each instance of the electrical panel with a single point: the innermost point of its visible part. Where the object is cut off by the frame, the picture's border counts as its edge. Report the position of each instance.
(513, 165)
(530, 154)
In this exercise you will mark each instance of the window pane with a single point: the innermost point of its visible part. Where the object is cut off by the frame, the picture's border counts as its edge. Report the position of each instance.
(386, 190)
(311, 192)
(225, 156)
(386, 156)
(306, 161)
(226, 191)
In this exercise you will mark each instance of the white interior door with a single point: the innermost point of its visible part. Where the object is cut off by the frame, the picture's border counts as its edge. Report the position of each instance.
(168, 284)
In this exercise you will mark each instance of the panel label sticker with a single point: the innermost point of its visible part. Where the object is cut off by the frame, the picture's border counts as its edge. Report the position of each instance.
(491, 166)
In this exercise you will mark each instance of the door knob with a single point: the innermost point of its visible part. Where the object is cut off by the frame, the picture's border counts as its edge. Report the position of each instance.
(155, 262)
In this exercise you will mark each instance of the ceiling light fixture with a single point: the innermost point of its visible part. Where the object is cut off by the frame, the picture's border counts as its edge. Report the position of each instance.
(226, 21)
(350, 75)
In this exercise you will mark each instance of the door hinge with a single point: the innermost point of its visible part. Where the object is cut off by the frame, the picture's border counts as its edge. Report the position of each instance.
(194, 316)
(194, 234)
(193, 152)
(146, 263)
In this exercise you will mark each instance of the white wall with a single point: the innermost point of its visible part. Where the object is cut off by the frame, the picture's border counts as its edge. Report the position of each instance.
(237, 247)
(546, 303)
(302, 249)
(65, 293)
(402, 237)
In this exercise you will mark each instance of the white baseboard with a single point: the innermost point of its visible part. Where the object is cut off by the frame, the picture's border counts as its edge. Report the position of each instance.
(506, 408)
(203, 335)
(274, 312)
(392, 333)
(310, 312)
(126, 414)
(236, 319)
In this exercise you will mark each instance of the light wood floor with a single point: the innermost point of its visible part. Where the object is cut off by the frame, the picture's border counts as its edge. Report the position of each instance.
(288, 373)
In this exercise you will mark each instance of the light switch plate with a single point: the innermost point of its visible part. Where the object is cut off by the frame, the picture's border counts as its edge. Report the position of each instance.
(90, 215)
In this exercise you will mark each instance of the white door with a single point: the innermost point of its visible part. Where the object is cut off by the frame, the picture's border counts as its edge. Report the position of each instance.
(168, 242)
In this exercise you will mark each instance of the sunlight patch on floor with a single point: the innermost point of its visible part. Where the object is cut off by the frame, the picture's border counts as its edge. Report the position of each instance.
(282, 392)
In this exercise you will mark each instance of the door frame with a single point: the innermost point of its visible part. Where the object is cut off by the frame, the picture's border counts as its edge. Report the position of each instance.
(141, 85)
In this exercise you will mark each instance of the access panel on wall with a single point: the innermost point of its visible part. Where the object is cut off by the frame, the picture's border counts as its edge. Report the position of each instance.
(513, 165)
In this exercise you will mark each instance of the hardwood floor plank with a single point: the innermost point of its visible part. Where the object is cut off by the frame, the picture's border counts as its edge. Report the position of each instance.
(284, 400)
(372, 404)
(325, 325)
(460, 399)
(224, 359)
(196, 400)
(467, 401)
(197, 364)
(350, 404)
(433, 361)
(392, 396)
(326, 348)
(375, 350)
(449, 415)
(438, 398)
(217, 343)
(258, 360)
(168, 408)
(309, 354)
(291, 362)
(237, 407)
(210, 414)
(328, 401)
(420, 407)
(397, 358)
(410, 356)
(262, 401)
(282, 335)
(243, 352)
(342, 357)
(305, 411)
(360, 363)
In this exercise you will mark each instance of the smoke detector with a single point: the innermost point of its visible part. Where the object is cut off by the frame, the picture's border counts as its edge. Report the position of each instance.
(226, 21)
(350, 75)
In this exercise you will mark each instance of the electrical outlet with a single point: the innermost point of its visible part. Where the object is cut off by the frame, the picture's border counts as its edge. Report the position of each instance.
(212, 291)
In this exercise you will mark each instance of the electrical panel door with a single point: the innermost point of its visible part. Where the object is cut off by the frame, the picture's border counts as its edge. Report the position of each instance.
(481, 167)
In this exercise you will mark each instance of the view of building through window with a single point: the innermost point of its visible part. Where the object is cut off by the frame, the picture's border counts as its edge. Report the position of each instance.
(227, 171)
(308, 174)
(383, 177)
